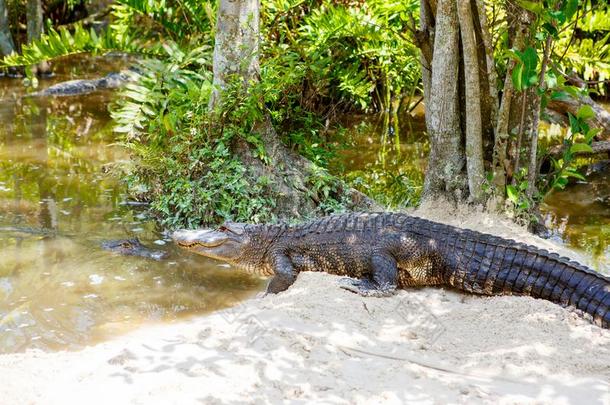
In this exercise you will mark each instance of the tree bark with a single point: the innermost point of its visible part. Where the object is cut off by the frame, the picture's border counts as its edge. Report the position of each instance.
(236, 58)
(490, 71)
(35, 29)
(7, 46)
(426, 44)
(532, 173)
(501, 164)
(236, 44)
(446, 160)
(474, 125)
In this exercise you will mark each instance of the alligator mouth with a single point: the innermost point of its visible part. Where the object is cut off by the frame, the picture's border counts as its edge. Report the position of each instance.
(193, 239)
(190, 245)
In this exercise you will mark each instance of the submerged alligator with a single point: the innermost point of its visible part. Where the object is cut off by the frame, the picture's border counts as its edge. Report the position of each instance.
(386, 251)
(84, 86)
(133, 247)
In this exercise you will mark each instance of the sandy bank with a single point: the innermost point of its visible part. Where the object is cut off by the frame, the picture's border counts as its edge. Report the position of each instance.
(318, 342)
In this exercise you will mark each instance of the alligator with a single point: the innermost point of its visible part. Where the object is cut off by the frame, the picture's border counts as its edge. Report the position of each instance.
(133, 247)
(84, 86)
(381, 252)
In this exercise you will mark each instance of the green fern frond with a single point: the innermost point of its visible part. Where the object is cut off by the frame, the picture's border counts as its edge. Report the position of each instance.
(55, 44)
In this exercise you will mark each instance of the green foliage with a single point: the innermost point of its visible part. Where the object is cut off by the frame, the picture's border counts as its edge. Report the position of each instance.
(181, 21)
(63, 42)
(354, 55)
(137, 26)
(390, 189)
(585, 49)
(524, 74)
(579, 140)
(519, 202)
(184, 164)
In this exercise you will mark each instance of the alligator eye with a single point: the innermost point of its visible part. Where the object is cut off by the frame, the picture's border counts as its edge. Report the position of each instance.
(223, 228)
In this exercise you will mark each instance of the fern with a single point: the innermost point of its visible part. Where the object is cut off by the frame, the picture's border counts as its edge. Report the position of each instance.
(55, 44)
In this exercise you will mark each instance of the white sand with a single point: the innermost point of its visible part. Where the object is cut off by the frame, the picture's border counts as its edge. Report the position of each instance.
(317, 342)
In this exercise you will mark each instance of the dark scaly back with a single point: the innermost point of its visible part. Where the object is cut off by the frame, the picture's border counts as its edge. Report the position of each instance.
(486, 264)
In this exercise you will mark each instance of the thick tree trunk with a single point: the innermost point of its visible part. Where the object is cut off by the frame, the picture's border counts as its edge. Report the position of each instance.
(488, 78)
(474, 125)
(35, 29)
(236, 58)
(236, 44)
(7, 46)
(446, 162)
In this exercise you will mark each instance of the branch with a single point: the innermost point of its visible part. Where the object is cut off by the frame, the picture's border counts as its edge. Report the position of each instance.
(597, 148)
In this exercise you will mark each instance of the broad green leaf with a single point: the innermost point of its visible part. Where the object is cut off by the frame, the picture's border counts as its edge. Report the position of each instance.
(533, 6)
(574, 174)
(561, 182)
(516, 77)
(512, 193)
(574, 126)
(580, 147)
(569, 8)
(585, 112)
(530, 61)
(592, 133)
(559, 95)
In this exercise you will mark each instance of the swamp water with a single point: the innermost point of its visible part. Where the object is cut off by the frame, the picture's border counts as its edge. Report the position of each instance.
(60, 290)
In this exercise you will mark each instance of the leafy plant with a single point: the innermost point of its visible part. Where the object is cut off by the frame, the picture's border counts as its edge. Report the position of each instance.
(579, 140)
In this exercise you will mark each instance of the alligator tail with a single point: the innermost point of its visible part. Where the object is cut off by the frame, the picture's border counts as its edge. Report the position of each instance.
(491, 265)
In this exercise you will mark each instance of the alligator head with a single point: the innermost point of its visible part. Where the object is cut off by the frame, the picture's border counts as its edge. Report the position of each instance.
(241, 245)
(227, 243)
(133, 247)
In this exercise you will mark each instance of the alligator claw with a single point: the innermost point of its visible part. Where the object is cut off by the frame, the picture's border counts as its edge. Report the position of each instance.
(364, 288)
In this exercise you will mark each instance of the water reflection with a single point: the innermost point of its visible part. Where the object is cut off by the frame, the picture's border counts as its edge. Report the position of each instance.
(386, 157)
(580, 215)
(58, 288)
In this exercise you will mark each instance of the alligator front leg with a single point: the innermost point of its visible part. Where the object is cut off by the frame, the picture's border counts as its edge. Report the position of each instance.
(284, 274)
(383, 281)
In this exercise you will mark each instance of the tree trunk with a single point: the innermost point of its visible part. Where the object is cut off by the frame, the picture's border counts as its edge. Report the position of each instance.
(474, 125)
(501, 167)
(7, 46)
(532, 172)
(236, 44)
(425, 42)
(236, 58)
(35, 29)
(446, 161)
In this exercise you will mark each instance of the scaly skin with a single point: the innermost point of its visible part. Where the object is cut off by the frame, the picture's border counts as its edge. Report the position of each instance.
(382, 252)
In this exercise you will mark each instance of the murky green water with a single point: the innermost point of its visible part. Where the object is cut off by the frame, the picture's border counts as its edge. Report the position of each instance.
(58, 288)
(386, 155)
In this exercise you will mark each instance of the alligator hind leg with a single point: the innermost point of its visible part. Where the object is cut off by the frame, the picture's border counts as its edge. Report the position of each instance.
(383, 280)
